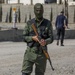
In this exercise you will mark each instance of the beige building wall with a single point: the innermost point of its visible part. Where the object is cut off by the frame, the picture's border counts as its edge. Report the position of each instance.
(23, 1)
(58, 1)
(34, 1)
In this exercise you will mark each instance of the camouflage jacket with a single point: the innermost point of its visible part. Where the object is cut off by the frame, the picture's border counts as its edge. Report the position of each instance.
(44, 29)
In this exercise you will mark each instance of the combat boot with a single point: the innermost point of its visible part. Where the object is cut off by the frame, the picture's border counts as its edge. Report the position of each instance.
(25, 73)
(62, 43)
(57, 42)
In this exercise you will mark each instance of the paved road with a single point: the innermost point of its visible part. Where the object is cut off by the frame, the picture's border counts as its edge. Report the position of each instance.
(63, 58)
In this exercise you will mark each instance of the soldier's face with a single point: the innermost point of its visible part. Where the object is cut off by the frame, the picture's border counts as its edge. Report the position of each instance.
(38, 10)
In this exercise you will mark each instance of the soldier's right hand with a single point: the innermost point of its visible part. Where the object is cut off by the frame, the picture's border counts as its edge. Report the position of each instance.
(42, 42)
(35, 38)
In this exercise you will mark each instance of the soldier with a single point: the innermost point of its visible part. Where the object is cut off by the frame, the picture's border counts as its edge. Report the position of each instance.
(34, 53)
(61, 24)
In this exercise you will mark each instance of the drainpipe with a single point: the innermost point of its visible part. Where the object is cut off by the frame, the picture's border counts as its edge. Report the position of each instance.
(31, 2)
(6, 1)
(18, 1)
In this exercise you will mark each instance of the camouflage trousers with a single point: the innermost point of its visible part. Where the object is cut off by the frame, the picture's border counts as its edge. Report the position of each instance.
(33, 56)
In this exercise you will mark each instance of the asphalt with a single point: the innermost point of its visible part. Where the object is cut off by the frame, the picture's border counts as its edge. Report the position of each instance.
(62, 57)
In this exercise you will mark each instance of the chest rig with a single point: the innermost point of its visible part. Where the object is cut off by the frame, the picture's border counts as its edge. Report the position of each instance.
(42, 30)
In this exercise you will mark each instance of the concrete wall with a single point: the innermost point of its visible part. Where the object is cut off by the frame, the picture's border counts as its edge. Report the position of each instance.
(27, 9)
(16, 35)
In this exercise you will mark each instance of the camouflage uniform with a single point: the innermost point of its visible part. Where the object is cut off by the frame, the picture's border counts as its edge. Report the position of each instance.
(34, 53)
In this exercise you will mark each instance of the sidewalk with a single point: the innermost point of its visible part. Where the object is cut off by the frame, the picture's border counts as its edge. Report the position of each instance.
(7, 26)
(63, 58)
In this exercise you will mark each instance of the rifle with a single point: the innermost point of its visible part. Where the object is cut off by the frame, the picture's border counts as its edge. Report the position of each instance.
(44, 51)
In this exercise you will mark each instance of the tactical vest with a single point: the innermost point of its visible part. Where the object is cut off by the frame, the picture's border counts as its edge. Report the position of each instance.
(43, 31)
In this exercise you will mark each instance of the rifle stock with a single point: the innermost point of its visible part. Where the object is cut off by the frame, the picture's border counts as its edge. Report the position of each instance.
(44, 51)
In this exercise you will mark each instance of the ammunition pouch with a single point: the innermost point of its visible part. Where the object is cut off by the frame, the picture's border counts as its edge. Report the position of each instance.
(33, 44)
